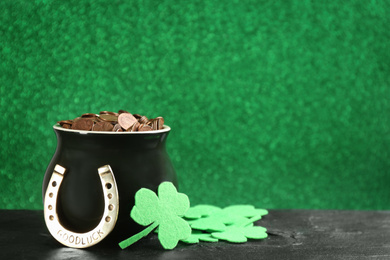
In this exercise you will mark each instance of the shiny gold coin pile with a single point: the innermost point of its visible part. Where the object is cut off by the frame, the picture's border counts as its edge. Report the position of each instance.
(122, 121)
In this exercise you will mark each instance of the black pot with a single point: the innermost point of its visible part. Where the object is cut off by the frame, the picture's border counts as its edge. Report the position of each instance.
(137, 159)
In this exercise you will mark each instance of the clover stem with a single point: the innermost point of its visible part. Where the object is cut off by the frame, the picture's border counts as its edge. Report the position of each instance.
(131, 240)
(249, 221)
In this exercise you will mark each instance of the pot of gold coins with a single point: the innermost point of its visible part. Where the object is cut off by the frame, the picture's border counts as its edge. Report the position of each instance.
(101, 161)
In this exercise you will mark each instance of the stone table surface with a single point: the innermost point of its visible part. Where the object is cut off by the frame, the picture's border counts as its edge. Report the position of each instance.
(293, 234)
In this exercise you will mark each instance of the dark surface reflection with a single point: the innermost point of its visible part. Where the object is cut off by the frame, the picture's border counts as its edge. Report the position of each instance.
(71, 253)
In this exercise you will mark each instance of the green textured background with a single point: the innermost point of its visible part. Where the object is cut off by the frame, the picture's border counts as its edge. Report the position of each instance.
(282, 104)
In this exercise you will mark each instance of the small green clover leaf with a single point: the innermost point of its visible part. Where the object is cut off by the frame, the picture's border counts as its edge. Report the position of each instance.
(245, 210)
(197, 236)
(211, 218)
(216, 222)
(237, 234)
(164, 212)
(200, 211)
(240, 232)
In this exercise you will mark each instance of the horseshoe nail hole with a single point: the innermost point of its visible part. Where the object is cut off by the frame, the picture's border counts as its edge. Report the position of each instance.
(108, 185)
(109, 195)
(51, 217)
(54, 183)
(50, 207)
(110, 207)
(108, 219)
(51, 194)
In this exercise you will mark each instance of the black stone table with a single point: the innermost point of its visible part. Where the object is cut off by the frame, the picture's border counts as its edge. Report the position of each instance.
(293, 234)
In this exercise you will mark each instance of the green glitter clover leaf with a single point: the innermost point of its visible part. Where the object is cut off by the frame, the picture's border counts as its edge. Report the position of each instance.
(164, 212)
(239, 233)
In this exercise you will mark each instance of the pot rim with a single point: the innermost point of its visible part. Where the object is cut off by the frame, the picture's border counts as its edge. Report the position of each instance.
(84, 132)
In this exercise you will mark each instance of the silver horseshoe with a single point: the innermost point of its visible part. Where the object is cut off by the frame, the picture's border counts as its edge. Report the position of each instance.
(106, 224)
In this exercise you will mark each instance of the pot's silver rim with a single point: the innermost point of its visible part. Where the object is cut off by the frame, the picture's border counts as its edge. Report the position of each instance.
(165, 129)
